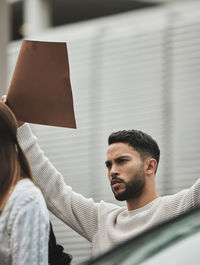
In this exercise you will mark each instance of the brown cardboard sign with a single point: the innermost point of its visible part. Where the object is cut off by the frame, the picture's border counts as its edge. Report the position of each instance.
(40, 90)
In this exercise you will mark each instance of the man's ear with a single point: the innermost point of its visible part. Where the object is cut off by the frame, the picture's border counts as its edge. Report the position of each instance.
(150, 166)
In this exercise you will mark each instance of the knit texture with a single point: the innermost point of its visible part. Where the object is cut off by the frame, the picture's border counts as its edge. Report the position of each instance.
(24, 227)
(103, 224)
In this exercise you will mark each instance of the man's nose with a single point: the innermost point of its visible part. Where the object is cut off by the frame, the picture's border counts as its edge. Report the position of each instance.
(114, 172)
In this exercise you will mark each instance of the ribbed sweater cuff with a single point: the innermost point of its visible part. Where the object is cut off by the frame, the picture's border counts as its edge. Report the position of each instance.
(24, 133)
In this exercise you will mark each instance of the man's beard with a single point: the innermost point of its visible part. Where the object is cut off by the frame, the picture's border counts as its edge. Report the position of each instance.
(133, 188)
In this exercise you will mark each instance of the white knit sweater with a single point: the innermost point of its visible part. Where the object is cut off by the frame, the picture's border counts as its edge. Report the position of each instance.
(103, 224)
(24, 227)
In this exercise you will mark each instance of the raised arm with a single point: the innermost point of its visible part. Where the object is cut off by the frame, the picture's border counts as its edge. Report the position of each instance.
(79, 213)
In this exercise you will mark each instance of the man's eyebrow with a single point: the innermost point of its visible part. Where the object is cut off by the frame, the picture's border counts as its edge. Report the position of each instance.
(119, 157)
(122, 156)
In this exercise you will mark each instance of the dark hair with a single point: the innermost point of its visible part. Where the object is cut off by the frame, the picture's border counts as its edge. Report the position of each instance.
(143, 143)
(14, 163)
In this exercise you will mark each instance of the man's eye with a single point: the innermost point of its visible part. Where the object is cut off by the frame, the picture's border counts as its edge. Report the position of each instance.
(122, 160)
(108, 165)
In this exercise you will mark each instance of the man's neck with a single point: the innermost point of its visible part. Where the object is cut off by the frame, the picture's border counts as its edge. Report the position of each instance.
(136, 203)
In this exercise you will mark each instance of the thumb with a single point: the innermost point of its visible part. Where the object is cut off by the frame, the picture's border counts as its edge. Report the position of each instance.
(4, 98)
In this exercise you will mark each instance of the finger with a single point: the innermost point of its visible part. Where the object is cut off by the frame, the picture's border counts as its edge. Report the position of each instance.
(4, 98)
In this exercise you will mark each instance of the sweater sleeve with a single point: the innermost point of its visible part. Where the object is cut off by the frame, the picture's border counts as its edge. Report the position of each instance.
(184, 200)
(30, 235)
(78, 212)
(192, 196)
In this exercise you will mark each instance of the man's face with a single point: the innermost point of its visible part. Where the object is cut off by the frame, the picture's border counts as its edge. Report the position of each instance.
(125, 171)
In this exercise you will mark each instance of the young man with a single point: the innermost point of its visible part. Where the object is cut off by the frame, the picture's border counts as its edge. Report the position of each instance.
(132, 160)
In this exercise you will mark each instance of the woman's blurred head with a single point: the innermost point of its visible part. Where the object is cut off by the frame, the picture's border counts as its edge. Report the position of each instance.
(8, 124)
(13, 162)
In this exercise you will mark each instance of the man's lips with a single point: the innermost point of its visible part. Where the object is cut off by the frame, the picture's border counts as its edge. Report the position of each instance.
(115, 183)
(116, 186)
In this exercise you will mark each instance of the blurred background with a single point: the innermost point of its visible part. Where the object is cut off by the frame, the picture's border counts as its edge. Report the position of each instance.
(133, 64)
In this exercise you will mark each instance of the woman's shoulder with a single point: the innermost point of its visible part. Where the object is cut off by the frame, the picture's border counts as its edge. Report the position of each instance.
(26, 188)
(26, 193)
(25, 202)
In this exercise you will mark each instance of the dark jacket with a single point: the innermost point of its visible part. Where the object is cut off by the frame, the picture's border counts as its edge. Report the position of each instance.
(56, 254)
